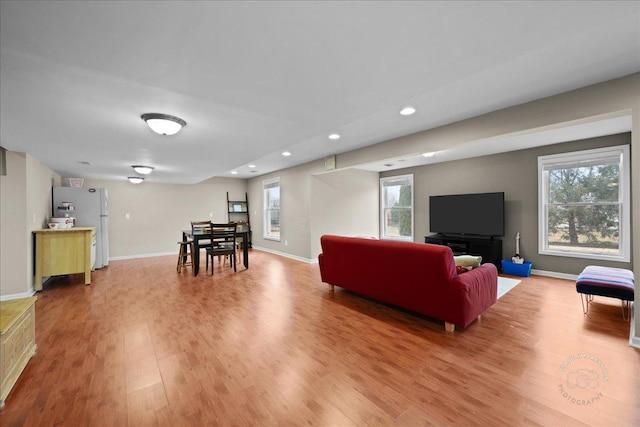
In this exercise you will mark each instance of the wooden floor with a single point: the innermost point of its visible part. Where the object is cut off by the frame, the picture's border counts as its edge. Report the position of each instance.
(272, 346)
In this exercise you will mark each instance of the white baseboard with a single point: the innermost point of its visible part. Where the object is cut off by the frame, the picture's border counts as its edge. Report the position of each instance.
(286, 255)
(17, 296)
(554, 274)
(120, 258)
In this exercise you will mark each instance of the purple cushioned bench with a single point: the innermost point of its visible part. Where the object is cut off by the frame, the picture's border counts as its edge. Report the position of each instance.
(607, 282)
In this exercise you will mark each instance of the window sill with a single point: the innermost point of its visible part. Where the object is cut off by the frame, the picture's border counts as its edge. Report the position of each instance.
(599, 257)
(402, 239)
(273, 239)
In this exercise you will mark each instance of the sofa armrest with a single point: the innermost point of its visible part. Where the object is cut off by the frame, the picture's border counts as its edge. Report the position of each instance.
(479, 280)
(475, 291)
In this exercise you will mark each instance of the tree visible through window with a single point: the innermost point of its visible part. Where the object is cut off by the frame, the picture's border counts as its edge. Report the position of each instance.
(585, 204)
(396, 194)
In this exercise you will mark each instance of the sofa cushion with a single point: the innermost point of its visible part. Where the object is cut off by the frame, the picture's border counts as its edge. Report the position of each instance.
(468, 260)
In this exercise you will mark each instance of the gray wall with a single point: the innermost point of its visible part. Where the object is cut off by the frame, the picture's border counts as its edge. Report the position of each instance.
(515, 173)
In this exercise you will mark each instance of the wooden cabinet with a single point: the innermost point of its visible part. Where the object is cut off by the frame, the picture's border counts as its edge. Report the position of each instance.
(17, 340)
(64, 251)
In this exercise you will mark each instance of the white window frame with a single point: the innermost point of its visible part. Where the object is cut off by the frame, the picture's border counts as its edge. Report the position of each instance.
(624, 254)
(383, 208)
(268, 184)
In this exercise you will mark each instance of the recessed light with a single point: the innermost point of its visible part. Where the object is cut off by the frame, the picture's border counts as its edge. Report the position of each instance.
(286, 153)
(84, 162)
(334, 136)
(407, 111)
(234, 172)
(429, 154)
(388, 164)
(252, 166)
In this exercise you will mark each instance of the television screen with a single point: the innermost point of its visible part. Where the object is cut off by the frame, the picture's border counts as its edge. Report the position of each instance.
(474, 214)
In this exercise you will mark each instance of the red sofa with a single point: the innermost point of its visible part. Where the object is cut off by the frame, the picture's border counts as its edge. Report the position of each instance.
(417, 276)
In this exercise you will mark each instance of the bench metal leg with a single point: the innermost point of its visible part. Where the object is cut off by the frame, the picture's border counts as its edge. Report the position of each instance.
(626, 310)
(585, 299)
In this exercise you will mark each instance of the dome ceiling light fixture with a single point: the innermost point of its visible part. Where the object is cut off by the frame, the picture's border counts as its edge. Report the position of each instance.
(142, 170)
(163, 124)
(135, 179)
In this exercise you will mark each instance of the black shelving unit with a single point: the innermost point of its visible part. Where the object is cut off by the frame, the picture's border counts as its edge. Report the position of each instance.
(238, 211)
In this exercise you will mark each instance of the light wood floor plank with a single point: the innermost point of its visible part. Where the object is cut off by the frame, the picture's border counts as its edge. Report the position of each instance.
(272, 346)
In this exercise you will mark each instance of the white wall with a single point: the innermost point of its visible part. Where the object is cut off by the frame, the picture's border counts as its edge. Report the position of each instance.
(295, 198)
(14, 277)
(25, 200)
(158, 212)
(344, 202)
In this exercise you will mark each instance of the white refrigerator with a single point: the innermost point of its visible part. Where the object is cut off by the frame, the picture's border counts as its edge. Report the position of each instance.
(91, 209)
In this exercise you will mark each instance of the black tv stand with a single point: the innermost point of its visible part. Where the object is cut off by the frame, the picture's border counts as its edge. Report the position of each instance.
(489, 248)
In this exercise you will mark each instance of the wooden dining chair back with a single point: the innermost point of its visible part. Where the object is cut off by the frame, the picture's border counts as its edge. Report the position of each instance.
(223, 238)
(202, 227)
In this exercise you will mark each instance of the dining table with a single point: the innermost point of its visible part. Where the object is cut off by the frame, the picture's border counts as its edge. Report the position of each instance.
(198, 235)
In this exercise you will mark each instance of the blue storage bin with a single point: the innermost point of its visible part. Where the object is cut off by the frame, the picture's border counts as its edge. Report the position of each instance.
(510, 267)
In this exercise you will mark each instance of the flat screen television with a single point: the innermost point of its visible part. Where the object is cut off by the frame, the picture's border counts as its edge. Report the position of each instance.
(470, 214)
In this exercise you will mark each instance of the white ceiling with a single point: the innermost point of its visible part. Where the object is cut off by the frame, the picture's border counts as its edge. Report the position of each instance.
(253, 79)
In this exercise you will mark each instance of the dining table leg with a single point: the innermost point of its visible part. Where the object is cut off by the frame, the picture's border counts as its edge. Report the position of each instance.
(245, 250)
(196, 255)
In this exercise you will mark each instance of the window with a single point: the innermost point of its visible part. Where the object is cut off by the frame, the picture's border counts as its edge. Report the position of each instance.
(271, 196)
(584, 200)
(396, 195)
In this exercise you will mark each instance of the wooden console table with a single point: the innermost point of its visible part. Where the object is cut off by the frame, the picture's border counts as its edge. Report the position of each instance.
(17, 340)
(64, 251)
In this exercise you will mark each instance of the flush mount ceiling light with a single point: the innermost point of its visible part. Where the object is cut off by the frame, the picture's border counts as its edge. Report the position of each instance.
(135, 179)
(234, 172)
(286, 153)
(252, 166)
(407, 111)
(163, 124)
(429, 154)
(334, 136)
(142, 170)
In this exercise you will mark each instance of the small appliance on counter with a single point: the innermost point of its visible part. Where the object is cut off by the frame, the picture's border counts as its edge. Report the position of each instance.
(66, 210)
(60, 222)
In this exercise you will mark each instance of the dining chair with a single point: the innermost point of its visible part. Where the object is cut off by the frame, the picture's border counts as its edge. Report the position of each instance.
(239, 240)
(223, 238)
(201, 226)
